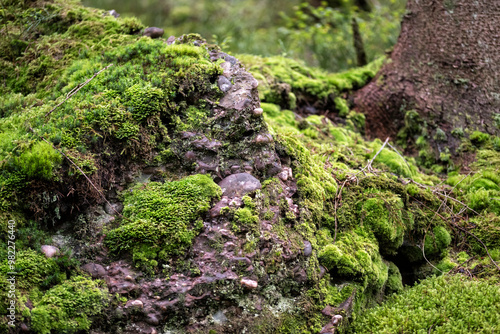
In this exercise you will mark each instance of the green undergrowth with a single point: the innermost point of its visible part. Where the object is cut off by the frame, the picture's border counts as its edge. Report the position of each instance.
(69, 307)
(161, 219)
(62, 300)
(445, 304)
(374, 216)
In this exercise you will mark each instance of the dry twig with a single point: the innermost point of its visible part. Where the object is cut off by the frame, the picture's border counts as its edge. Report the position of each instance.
(76, 89)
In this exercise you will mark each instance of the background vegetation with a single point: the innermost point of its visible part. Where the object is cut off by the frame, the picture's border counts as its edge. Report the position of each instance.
(319, 35)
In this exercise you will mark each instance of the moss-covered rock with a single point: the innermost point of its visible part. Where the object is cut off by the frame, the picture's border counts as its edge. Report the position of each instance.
(161, 220)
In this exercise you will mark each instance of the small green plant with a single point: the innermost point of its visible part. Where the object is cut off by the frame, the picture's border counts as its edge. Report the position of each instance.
(479, 138)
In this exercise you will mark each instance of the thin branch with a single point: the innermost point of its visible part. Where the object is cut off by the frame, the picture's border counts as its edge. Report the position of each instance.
(76, 89)
(369, 165)
(395, 150)
(481, 242)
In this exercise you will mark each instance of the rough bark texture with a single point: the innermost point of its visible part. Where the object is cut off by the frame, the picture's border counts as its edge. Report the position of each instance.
(445, 66)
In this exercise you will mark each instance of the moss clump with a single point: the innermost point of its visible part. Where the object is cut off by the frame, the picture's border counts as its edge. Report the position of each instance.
(39, 161)
(355, 256)
(445, 304)
(487, 229)
(478, 138)
(306, 82)
(437, 240)
(162, 219)
(393, 160)
(383, 216)
(32, 268)
(394, 282)
(68, 307)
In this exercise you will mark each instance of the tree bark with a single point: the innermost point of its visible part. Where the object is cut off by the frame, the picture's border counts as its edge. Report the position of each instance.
(446, 67)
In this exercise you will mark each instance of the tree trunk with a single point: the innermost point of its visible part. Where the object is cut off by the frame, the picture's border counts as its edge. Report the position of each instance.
(446, 68)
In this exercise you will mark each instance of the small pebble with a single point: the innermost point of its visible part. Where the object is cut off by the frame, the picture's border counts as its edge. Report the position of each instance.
(258, 111)
(336, 319)
(50, 251)
(113, 13)
(248, 283)
(135, 303)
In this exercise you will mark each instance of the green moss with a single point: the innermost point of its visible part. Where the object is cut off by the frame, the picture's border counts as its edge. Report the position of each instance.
(437, 240)
(445, 304)
(247, 217)
(68, 307)
(478, 138)
(304, 80)
(393, 160)
(394, 282)
(383, 216)
(440, 135)
(39, 161)
(487, 229)
(457, 132)
(162, 219)
(32, 268)
(445, 265)
(355, 256)
(342, 107)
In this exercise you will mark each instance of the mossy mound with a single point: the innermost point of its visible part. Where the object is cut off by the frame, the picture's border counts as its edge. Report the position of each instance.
(305, 82)
(160, 220)
(445, 304)
(68, 307)
(355, 256)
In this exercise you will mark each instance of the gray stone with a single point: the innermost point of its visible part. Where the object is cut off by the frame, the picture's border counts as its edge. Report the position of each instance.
(237, 185)
(113, 13)
(307, 248)
(95, 270)
(153, 32)
(224, 83)
(171, 40)
(113, 208)
(219, 317)
(50, 251)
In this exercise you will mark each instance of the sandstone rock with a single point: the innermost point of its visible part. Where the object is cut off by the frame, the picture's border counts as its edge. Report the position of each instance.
(134, 304)
(239, 185)
(153, 32)
(95, 270)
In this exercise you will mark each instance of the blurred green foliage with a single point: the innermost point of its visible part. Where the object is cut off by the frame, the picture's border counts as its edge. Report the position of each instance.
(319, 34)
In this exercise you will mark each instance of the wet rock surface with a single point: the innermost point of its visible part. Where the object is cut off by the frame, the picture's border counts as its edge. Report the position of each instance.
(237, 185)
(222, 270)
(94, 269)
